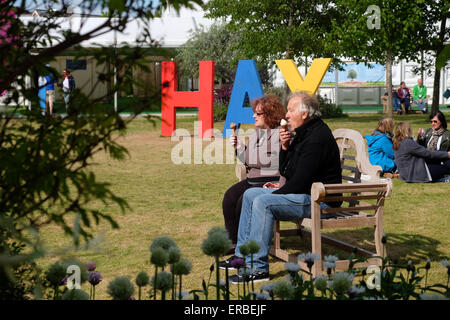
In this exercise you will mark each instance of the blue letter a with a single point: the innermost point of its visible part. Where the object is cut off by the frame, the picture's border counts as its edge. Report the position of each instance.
(246, 82)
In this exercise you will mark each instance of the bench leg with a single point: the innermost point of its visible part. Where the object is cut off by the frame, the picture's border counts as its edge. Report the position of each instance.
(316, 238)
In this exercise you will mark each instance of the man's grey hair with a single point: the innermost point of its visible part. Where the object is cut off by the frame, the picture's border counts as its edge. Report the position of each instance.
(307, 103)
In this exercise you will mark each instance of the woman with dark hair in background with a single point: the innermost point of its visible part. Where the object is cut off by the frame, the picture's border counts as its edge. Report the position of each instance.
(437, 137)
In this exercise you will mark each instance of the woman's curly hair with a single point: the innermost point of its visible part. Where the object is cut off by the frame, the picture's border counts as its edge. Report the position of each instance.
(272, 108)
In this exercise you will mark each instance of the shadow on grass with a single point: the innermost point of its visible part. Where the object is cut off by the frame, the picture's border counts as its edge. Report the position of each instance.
(400, 247)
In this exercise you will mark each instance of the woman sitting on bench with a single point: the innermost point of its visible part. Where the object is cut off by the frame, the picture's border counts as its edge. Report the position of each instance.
(263, 148)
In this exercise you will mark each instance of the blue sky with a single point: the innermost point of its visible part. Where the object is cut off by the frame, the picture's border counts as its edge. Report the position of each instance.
(364, 74)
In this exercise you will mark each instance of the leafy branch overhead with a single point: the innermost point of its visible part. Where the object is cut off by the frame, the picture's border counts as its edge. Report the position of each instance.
(45, 161)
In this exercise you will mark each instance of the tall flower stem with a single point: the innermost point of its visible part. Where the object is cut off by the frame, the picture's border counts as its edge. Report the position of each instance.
(93, 292)
(227, 284)
(173, 287)
(179, 294)
(155, 283)
(251, 266)
(217, 278)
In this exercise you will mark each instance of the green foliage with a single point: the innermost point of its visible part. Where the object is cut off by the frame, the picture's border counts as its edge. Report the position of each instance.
(330, 110)
(443, 57)
(45, 176)
(219, 44)
(120, 288)
(75, 294)
(292, 29)
(352, 74)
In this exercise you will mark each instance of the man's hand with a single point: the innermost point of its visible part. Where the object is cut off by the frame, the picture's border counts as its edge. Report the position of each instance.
(270, 185)
(285, 138)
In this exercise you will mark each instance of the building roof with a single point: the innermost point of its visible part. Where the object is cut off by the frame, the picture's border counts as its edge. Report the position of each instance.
(170, 31)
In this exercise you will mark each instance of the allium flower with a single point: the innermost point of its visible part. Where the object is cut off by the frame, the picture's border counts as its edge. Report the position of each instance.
(120, 288)
(142, 279)
(355, 291)
(55, 274)
(163, 282)
(262, 296)
(342, 282)
(159, 257)
(217, 244)
(445, 263)
(163, 242)
(331, 258)
(84, 274)
(91, 266)
(410, 266)
(75, 294)
(428, 264)
(267, 287)
(283, 289)
(321, 283)
(244, 249)
(309, 258)
(237, 263)
(95, 278)
(174, 255)
(182, 267)
(218, 230)
(294, 276)
(292, 267)
(253, 247)
(384, 238)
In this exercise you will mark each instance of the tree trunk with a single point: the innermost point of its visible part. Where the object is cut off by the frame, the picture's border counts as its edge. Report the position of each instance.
(437, 73)
(389, 82)
(436, 90)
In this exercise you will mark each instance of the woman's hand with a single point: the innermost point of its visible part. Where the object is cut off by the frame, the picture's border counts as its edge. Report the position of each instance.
(285, 138)
(236, 143)
(419, 132)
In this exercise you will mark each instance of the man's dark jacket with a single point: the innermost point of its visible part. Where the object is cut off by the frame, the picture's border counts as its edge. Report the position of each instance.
(312, 156)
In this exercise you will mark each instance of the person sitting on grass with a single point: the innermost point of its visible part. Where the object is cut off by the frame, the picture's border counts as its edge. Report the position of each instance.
(312, 155)
(416, 163)
(260, 158)
(380, 146)
(437, 137)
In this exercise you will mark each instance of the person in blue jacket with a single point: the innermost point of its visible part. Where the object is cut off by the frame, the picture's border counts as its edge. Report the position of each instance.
(380, 145)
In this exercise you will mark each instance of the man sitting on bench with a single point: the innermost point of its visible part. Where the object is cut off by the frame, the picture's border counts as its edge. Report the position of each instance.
(312, 155)
(420, 95)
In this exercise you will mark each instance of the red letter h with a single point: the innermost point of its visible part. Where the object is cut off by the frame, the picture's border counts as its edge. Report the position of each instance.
(203, 99)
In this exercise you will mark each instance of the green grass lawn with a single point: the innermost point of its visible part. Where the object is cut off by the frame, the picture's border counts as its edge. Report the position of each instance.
(184, 202)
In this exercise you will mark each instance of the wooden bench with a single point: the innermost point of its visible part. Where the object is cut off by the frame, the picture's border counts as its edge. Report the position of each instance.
(415, 104)
(363, 204)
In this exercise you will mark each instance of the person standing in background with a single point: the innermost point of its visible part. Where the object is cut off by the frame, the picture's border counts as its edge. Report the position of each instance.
(49, 91)
(68, 85)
